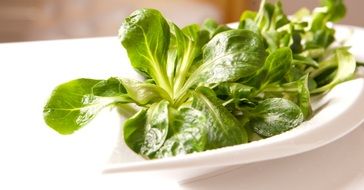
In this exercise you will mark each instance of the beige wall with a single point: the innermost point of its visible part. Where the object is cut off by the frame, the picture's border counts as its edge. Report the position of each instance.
(53, 19)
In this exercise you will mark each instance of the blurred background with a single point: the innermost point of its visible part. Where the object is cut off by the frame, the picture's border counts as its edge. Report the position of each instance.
(25, 20)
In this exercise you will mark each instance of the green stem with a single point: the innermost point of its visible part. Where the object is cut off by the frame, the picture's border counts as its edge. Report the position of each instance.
(162, 80)
(259, 17)
(181, 74)
(323, 67)
(181, 99)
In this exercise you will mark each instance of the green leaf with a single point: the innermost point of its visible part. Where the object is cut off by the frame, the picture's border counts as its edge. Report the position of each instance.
(346, 65)
(223, 128)
(190, 134)
(249, 24)
(156, 128)
(336, 9)
(271, 16)
(301, 94)
(294, 73)
(145, 34)
(73, 104)
(146, 132)
(275, 67)
(306, 61)
(274, 116)
(108, 88)
(296, 91)
(304, 98)
(236, 96)
(196, 34)
(199, 36)
(188, 46)
(144, 93)
(275, 27)
(320, 38)
(320, 35)
(248, 15)
(214, 28)
(264, 14)
(134, 130)
(210, 25)
(235, 91)
(229, 56)
(277, 64)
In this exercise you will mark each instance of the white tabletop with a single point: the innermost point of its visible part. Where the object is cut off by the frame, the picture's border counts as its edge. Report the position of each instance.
(32, 156)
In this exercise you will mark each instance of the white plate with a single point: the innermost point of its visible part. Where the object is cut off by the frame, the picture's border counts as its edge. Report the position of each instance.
(336, 166)
(336, 114)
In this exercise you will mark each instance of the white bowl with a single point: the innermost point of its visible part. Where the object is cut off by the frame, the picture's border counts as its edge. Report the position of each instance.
(336, 114)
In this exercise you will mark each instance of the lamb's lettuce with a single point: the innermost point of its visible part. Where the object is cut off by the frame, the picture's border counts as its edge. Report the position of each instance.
(274, 116)
(148, 54)
(74, 104)
(223, 129)
(212, 86)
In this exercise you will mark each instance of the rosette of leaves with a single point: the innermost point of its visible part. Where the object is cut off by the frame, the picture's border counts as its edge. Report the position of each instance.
(211, 86)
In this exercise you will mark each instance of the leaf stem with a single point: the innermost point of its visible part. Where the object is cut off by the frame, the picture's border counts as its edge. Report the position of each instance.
(182, 72)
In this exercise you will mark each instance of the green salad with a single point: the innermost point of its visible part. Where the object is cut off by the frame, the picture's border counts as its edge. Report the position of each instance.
(211, 86)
